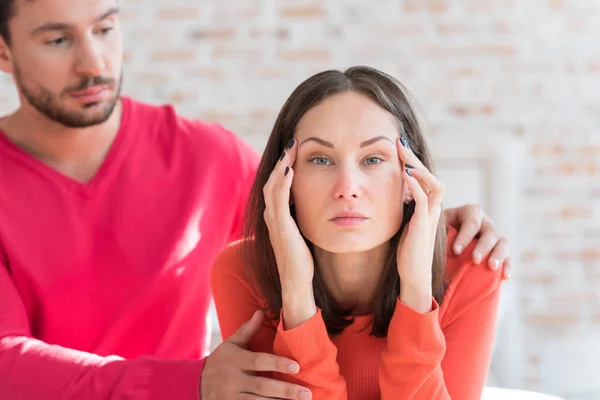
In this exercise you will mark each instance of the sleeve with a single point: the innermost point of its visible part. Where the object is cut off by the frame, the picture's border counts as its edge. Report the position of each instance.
(32, 369)
(426, 359)
(307, 344)
(310, 346)
(248, 160)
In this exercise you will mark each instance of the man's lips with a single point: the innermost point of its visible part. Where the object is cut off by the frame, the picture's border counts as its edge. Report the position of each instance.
(91, 91)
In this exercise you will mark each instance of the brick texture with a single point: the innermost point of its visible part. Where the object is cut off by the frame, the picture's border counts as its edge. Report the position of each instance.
(504, 67)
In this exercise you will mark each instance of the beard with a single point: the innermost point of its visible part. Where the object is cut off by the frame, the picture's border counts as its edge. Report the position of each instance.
(50, 104)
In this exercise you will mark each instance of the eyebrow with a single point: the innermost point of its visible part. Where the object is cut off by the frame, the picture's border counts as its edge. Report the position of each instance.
(55, 26)
(331, 146)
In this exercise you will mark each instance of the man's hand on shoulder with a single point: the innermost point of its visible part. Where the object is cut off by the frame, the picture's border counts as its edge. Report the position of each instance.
(472, 222)
(230, 371)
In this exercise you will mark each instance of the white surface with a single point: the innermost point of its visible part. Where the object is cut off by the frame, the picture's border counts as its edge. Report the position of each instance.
(492, 393)
(576, 360)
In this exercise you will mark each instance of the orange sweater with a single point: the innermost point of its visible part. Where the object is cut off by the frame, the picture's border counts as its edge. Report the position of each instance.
(444, 354)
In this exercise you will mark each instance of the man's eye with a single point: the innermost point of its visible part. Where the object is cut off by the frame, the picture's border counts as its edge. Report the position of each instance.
(57, 42)
(105, 31)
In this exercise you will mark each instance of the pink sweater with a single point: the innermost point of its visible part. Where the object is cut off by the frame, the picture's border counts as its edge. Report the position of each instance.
(104, 286)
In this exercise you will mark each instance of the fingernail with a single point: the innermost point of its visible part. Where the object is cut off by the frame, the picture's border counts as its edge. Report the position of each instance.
(495, 264)
(409, 166)
(305, 396)
(408, 172)
(290, 144)
(458, 248)
(404, 142)
(287, 169)
(477, 258)
(508, 273)
(293, 368)
(282, 155)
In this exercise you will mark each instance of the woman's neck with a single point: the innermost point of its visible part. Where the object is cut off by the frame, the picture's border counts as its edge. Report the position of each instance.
(353, 278)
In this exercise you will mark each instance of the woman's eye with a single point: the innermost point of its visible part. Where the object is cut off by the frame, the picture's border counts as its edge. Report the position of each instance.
(373, 160)
(320, 161)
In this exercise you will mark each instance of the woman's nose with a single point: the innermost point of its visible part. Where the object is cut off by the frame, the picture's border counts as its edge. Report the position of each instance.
(347, 184)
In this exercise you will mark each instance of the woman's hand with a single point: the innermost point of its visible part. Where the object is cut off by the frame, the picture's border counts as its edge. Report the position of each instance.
(294, 260)
(415, 250)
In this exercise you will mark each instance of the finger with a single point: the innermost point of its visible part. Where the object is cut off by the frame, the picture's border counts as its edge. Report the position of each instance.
(292, 150)
(507, 269)
(281, 193)
(243, 335)
(499, 254)
(273, 388)
(429, 182)
(487, 241)
(268, 362)
(407, 156)
(469, 227)
(250, 396)
(277, 175)
(419, 195)
(288, 157)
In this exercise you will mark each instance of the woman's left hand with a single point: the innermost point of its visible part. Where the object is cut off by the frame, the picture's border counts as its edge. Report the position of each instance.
(415, 250)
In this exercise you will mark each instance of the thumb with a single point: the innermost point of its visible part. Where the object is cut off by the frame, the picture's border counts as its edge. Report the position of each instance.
(243, 335)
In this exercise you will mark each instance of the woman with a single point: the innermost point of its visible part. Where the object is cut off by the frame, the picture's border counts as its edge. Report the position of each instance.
(348, 252)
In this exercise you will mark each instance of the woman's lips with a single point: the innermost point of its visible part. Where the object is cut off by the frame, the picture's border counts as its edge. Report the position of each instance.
(348, 221)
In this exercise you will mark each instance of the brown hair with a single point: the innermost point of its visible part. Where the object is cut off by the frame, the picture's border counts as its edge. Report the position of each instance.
(7, 9)
(392, 96)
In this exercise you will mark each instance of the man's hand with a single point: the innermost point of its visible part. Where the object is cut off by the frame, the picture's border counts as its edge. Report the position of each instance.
(471, 222)
(229, 372)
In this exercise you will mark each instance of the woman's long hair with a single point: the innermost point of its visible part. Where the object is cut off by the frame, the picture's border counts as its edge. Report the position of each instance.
(257, 252)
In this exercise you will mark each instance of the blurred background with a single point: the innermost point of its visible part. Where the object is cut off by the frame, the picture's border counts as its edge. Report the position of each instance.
(511, 91)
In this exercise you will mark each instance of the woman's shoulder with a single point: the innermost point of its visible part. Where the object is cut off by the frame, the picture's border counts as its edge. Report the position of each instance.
(229, 265)
(467, 282)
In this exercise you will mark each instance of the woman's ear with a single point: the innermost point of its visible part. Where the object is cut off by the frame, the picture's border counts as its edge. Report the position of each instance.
(407, 195)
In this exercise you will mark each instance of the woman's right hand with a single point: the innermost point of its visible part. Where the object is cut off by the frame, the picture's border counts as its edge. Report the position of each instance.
(294, 260)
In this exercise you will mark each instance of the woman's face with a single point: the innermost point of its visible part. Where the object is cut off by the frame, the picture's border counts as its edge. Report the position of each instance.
(347, 187)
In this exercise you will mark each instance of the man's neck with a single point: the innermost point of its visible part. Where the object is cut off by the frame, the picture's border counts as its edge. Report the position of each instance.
(75, 152)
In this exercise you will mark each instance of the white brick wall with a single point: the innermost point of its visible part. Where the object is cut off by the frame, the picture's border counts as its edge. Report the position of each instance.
(525, 68)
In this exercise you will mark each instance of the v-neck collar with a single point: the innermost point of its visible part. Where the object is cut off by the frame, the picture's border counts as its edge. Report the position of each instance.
(103, 176)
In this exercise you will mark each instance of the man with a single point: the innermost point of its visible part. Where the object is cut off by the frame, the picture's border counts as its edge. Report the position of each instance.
(111, 213)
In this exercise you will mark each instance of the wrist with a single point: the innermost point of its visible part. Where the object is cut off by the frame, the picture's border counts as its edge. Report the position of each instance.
(298, 305)
(416, 296)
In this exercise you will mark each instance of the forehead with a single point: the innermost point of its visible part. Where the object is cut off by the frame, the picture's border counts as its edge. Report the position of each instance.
(346, 116)
(31, 13)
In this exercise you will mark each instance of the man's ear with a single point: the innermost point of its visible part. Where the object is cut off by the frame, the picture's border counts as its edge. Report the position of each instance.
(6, 60)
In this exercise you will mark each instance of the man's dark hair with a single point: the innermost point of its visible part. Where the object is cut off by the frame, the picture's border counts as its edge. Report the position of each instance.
(7, 10)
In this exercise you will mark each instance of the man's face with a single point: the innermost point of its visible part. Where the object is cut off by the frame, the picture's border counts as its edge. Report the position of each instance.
(66, 57)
